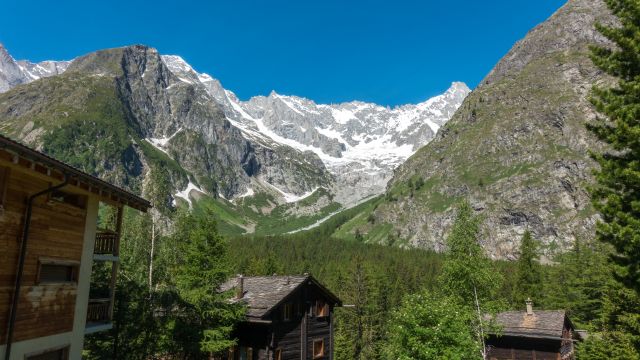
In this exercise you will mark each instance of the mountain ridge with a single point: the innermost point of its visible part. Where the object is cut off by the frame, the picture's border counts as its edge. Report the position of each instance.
(168, 115)
(517, 149)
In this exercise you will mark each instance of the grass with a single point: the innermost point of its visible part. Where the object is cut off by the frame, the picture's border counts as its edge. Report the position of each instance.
(241, 218)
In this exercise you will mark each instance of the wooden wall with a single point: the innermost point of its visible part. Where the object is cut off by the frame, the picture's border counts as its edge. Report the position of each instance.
(293, 335)
(511, 348)
(318, 328)
(57, 231)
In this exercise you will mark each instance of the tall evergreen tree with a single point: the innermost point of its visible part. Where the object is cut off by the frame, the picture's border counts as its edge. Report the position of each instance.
(617, 193)
(201, 269)
(529, 272)
(467, 273)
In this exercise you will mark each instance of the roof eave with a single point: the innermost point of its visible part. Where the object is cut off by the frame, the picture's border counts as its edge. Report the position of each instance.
(95, 184)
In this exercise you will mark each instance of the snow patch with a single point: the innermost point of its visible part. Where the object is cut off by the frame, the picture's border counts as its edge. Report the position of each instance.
(185, 194)
(342, 116)
(160, 143)
(247, 193)
(291, 198)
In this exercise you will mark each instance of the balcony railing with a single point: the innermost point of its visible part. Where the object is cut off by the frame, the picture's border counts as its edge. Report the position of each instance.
(106, 243)
(98, 311)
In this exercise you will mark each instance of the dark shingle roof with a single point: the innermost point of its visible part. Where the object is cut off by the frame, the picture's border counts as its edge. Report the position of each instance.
(263, 293)
(545, 323)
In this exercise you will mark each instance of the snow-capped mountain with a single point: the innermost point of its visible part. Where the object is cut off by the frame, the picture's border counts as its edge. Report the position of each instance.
(359, 143)
(14, 72)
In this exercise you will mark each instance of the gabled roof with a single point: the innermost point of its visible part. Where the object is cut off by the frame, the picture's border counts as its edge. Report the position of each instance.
(22, 155)
(542, 323)
(262, 294)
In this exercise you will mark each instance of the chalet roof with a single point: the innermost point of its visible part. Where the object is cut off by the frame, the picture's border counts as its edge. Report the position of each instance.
(20, 154)
(263, 293)
(542, 323)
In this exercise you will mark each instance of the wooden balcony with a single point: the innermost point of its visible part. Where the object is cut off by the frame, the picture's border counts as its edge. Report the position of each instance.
(98, 316)
(106, 245)
(99, 311)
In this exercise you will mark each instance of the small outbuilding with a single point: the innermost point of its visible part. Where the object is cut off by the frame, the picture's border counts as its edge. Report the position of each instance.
(288, 317)
(538, 335)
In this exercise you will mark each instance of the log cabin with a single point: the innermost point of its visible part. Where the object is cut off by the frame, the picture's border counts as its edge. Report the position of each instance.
(50, 242)
(537, 335)
(288, 317)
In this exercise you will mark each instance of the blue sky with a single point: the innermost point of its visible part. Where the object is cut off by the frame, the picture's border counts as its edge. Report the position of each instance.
(388, 52)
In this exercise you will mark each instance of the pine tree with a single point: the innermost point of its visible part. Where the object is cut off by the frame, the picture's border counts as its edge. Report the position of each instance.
(529, 272)
(467, 273)
(202, 268)
(617, 193)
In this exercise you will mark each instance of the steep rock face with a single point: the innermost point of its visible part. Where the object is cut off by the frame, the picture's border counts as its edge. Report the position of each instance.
(516, 148)
(359, 143)
(151, 117)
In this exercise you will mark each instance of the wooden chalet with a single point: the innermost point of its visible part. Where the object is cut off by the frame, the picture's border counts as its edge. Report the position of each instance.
(537, 335)
(50, 242)
(288, 317)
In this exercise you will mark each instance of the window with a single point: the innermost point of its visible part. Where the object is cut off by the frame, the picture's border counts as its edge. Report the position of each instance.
(322, 308)
(4, 183)
(278, 354)
(57, 354)
(287, 312)
(52, 271)
(318, 348)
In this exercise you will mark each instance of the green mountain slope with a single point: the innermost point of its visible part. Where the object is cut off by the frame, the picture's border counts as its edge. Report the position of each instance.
(516, 148)
(103, 114)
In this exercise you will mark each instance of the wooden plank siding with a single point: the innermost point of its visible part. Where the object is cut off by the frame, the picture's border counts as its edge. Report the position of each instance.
(304, 328)
(510, 348)
(286, 314)
(56, 232)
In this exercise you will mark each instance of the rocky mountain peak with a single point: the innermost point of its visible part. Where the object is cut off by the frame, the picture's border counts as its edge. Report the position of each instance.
(13, 73)
(569, 27)
(516, 148)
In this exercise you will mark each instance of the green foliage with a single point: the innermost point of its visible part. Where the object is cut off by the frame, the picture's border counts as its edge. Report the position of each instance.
(182, 315)
(158, 190)
(578, 282)
(616, 346)
(432, 327)
(361, 324)
(468, 277)
(529, 272)
(201, 269)
(617, 194)
(467, 273)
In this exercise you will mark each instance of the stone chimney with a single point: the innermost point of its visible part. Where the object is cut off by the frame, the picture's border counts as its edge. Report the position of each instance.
(240, 287)
(529, 306)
